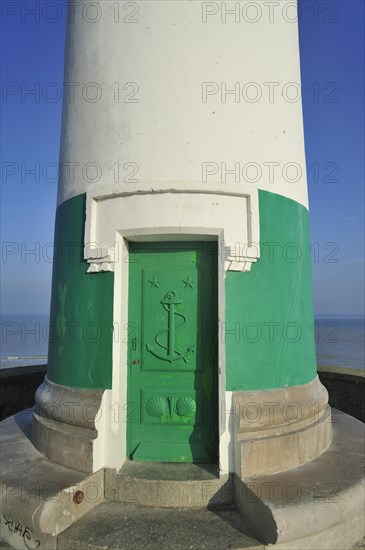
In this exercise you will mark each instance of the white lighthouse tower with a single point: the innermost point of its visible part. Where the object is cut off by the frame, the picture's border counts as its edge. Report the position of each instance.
(183, 172)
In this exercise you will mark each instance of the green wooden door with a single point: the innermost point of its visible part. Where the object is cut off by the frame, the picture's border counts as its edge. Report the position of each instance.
(172, 375)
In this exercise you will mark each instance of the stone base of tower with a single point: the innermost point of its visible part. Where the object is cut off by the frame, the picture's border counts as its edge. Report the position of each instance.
(279, 429)
(267, 431)
(63, 427)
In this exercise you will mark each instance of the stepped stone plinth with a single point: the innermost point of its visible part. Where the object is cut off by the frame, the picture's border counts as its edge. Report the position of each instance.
(319, 505)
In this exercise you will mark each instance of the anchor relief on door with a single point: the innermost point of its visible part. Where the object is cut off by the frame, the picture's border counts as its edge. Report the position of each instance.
(173, 354)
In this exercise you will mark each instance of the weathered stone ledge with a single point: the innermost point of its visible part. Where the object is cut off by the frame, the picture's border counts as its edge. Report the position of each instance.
(18, 386)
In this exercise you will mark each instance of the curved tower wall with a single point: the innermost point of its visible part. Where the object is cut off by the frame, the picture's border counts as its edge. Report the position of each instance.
(183, 121)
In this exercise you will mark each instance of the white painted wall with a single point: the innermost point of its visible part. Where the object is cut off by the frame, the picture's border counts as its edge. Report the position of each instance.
(171, 134)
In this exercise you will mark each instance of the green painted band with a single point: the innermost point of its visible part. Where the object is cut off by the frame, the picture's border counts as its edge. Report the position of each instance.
(269, 329)
(269, 312)
(80, 347)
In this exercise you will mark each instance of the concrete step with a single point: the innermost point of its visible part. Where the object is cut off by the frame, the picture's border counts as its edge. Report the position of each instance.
(169, 485)
(119, 526)
(39, 498)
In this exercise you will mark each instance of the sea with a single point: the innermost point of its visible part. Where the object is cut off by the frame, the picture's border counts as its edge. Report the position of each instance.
(339, 341)
(24, 340)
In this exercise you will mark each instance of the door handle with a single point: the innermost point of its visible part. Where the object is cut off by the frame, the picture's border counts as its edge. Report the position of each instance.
(134, 344)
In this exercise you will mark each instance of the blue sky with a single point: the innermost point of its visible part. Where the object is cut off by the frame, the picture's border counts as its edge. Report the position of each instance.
(332, 55)
(332, 45)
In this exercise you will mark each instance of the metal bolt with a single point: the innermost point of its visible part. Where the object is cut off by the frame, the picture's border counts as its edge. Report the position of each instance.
(78, 497)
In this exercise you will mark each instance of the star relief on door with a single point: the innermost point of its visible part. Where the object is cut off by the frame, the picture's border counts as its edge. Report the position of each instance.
(188, 282)
(154, 282)
(170, 409)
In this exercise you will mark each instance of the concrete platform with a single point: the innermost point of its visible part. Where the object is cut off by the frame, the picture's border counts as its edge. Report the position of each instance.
(5, 546)
(127, 527)
(318, 506)
(38, 496)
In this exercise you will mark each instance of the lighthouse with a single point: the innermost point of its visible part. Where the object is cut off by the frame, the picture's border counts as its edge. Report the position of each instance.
(181, 292)
(182, 329)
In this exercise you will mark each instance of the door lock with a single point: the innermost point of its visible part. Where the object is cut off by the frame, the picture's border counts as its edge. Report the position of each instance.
(136, 362)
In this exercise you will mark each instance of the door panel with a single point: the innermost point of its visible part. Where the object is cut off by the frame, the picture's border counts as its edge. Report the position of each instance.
(172, 380)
